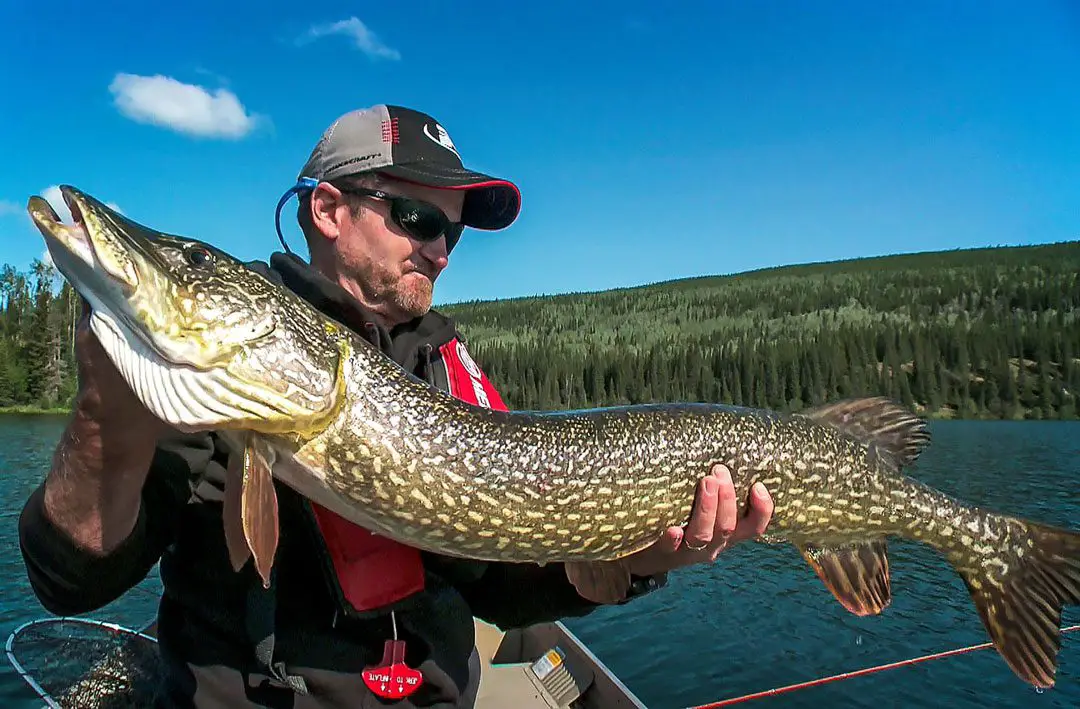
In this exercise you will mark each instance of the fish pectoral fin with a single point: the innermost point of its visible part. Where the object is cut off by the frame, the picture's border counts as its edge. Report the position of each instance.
(876, 421)
(259, 506)
(856, 574)
(235, 541)
(1021, 608)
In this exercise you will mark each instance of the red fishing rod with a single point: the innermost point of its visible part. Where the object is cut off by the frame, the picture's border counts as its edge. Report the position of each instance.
(856, 673)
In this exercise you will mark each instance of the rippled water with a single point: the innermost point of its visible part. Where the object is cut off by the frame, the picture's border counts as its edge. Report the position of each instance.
(759, 618)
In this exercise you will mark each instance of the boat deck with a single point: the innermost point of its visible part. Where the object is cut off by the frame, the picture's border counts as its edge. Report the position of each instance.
(544, 667)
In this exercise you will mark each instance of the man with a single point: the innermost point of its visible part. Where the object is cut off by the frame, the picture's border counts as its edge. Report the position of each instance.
(383, 199)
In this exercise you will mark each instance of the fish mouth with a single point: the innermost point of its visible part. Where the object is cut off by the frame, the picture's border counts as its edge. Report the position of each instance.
(72, 238)
(100, 255)
(96, 242)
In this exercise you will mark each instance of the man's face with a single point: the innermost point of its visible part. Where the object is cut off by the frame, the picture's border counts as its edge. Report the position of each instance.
(379, 263)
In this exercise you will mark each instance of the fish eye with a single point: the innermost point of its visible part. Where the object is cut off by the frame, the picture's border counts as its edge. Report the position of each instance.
(198, 256)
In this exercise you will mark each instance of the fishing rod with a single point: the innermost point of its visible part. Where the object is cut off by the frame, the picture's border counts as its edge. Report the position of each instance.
(855, 673)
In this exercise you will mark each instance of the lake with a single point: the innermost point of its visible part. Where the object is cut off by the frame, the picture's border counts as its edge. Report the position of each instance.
(757, 619)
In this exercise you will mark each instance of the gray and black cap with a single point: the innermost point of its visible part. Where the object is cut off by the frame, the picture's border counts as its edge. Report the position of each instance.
(412, 146)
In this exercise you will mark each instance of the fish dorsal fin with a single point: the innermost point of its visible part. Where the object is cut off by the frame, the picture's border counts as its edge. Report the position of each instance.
(856, 574)
(879, 422)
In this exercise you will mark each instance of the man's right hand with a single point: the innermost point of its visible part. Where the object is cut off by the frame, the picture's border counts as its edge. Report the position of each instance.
(93, 491)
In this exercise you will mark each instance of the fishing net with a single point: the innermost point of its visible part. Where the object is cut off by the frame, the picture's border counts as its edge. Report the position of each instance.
(78, 663)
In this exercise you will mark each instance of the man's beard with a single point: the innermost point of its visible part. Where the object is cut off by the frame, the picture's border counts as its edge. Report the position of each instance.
(401, 296)
(412, 294)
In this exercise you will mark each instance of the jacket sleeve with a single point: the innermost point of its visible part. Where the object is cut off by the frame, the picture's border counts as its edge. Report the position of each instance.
(519, 595)
(67, 579)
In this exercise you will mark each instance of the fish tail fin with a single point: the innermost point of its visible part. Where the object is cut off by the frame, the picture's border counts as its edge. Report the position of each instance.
(1020, 597)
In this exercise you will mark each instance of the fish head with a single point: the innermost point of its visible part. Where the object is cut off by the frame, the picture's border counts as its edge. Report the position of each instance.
(191, 302)
(204, 341)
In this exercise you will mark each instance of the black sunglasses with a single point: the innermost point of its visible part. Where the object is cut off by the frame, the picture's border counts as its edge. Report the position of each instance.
(421, 220)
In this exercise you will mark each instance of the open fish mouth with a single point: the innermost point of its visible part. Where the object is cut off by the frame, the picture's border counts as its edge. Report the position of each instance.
(72, 237)
(89, 246)
(94, 253)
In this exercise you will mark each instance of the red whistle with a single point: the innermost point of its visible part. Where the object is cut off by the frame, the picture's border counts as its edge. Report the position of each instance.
(392, 678)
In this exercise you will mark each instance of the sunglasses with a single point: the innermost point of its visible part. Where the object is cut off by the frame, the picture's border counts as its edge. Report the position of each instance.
(421, 220)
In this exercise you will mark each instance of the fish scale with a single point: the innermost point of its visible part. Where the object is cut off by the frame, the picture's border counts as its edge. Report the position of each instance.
(207, 343)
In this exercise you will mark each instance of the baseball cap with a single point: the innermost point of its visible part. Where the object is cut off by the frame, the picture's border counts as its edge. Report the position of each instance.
(411, 146)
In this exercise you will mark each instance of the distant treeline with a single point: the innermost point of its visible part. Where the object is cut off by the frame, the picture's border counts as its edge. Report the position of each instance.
(988, 333)
(37, 316)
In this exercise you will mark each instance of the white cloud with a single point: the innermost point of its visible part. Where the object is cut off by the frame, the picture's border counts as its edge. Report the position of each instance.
(186, 108)
(53, 197)
(364, 39)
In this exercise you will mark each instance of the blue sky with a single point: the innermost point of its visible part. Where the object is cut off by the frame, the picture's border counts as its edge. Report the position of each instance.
(650, 142)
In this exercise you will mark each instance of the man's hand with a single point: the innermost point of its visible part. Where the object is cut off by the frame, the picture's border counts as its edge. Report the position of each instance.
(713, 527)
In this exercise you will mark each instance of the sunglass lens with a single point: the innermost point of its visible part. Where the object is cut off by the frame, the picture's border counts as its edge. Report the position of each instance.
(424, 222)
(453, 234)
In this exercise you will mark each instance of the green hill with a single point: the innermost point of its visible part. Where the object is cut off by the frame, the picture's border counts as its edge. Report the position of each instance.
(974, 333)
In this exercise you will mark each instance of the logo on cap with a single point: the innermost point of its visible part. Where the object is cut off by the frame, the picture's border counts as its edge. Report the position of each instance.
(443, 138)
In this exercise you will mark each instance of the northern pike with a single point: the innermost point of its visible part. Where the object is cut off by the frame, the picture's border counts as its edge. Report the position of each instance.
(205, 342)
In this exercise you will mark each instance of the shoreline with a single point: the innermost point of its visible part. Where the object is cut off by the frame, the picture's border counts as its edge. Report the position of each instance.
(944, 414)
(34, 411)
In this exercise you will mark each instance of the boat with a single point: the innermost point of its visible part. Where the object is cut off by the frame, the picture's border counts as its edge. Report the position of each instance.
(543, 666)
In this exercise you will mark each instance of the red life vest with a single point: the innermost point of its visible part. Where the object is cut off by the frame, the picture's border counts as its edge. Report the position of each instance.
(373, 570)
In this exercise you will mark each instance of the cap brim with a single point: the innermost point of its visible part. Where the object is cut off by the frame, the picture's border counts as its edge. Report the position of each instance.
(491, 203)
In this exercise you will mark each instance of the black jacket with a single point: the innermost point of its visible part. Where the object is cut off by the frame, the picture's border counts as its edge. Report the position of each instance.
(201, 618)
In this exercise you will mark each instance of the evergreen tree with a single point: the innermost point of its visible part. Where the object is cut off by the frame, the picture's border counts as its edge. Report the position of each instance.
(986, 333)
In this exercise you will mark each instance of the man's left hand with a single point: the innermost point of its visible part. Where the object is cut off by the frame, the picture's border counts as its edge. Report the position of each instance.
(713, 527)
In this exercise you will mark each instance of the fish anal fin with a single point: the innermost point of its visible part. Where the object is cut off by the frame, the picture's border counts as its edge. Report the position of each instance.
(856, 574)
(259, 506)
(1021, 608)
(879, 422)
(235, 541)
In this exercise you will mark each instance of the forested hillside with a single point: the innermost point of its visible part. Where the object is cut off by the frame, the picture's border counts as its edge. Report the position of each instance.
(37, 312)
(979, 333)
(984, 333)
